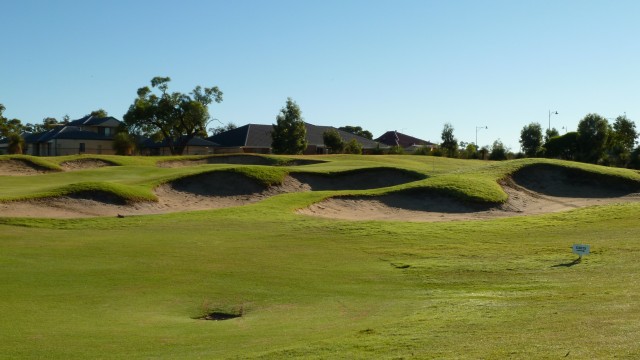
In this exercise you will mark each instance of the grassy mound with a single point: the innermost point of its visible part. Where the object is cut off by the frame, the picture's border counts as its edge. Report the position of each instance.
(565, 181)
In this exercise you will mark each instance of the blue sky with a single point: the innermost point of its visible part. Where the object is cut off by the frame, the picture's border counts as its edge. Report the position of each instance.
(409, 66)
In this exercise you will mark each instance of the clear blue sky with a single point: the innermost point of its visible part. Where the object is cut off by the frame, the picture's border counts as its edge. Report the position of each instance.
(399, 65)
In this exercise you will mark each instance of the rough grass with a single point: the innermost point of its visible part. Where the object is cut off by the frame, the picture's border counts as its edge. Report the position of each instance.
(317, 288)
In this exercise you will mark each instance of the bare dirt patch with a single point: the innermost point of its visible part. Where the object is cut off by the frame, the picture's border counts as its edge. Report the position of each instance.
(356, 180)
(19, 167)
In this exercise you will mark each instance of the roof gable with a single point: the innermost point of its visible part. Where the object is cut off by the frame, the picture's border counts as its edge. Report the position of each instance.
(259, 136)
(393, 138)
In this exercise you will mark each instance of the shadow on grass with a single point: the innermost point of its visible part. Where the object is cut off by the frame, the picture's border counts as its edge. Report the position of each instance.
(569, 264)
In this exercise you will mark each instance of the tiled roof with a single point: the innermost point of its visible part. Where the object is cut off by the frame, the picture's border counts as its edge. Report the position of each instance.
(259, 136)
(196, 141)
(73, 130)
(92, 121)
(393, 138)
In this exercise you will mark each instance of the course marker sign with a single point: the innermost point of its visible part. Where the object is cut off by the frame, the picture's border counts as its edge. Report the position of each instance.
(581, 249)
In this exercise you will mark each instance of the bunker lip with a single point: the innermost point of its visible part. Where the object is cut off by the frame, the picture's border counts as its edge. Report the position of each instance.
(89, 163)
(21, 167)
(236, 159)
(362, 179)
(567, 182)
(427, 206)
(220, 189)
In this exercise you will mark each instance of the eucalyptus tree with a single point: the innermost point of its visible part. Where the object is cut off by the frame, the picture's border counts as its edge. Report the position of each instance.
(289, 134)
(174, 117)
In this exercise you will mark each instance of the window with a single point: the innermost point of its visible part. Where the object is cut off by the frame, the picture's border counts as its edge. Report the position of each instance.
(82, 149)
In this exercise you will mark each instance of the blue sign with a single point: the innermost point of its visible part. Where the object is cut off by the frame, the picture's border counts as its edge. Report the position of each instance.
(581, 249)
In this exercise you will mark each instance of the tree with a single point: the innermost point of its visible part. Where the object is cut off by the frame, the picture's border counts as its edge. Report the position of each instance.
(449, 142)
(48, 123)
(333, 141)
(531, 139)
(123, 143)
(353, 147)
(593, 132)
(220, 129)
(357, 130)
(624, 132)
(498, 151)
(289, 133)
(100, 113)
(622, 139)
(174, 117)
(11, 129)
(562, 147)
(549, 133)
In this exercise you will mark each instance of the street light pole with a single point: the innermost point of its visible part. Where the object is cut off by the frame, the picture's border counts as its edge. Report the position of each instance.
(479, 128)
(554, 113)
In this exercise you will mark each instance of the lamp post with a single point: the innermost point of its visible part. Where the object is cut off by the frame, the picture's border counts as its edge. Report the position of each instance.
(479, 128)
(550, 113)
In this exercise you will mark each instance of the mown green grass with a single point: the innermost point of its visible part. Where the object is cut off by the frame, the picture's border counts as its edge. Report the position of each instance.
(317, 288)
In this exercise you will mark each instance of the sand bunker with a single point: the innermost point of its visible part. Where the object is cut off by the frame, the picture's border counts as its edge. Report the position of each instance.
(531, 191)
(211, 190)
(85, 164)
(236, 160)
(356, 180)
(19, 167)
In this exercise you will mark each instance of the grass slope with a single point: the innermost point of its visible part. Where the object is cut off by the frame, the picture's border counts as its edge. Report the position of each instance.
(316, 288)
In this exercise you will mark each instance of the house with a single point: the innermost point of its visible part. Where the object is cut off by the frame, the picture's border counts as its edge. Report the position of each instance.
(408, 143)
(88, 135)
(195, 146)
(256, 138)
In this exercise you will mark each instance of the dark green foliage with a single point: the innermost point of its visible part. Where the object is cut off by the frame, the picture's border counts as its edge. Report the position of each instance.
(289, 133)
(622, 139)
(562, 147)
(634, 159)
(100, 113)
(498, 151)
(593, 133)
(333, 141)
(396, 150)
(357, 130)
(124, 143)
(353, 147)
(11, 130)
(220, 129)
(531, 139)
(549, 133)
(377, 150)
(176, 117)
(423, 151)
(449, 143)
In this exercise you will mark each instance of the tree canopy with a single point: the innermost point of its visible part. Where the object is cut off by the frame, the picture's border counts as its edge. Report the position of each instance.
(174, 117)
(449, 142)
(11, 129)
(357, 130)
(333, 141)
(593, 132)
(531, 139)
(562, 147)
(289, 133)
(498, 151)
